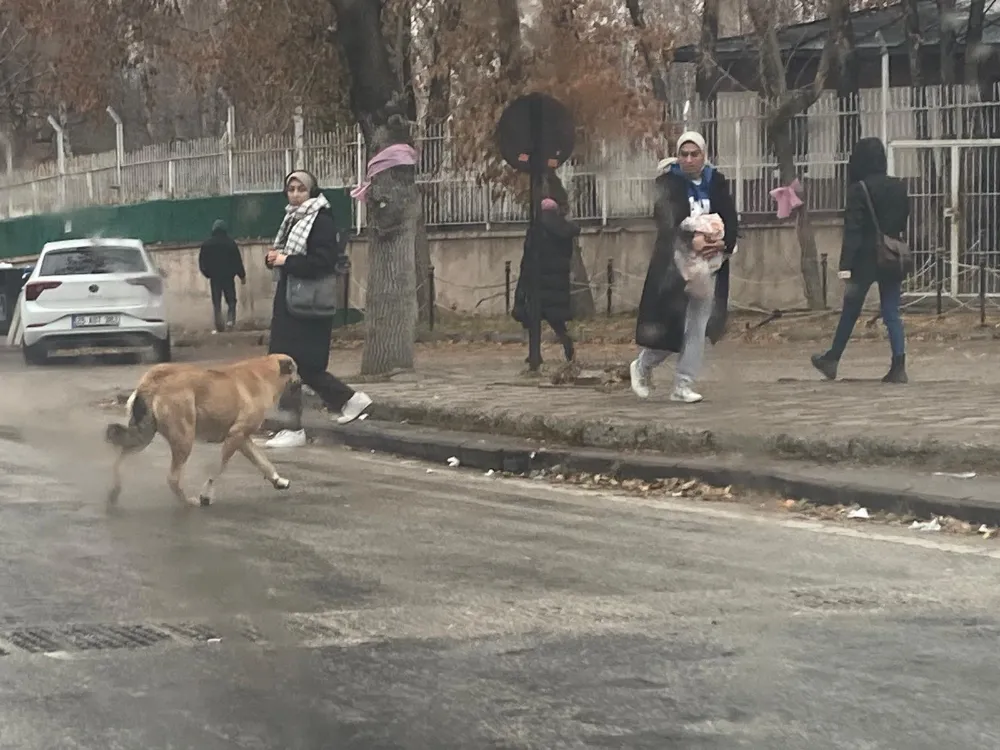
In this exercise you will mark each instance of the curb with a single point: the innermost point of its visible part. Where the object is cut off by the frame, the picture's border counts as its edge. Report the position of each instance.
(611, 434)
(897, 492)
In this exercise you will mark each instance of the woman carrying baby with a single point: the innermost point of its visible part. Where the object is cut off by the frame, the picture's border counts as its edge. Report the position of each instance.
(670, 319)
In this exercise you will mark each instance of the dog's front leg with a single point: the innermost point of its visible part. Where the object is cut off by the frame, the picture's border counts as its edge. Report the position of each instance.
(258, 459)
(229, 446)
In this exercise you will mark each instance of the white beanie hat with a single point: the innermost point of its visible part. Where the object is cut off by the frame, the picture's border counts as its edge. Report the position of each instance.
(692, 136)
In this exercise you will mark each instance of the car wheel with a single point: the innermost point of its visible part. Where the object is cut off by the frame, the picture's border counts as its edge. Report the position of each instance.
(33, 355)
(163, 351)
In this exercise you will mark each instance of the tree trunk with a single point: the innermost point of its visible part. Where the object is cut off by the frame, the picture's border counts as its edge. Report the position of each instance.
(808, 252)
(782, 106)
(949, 73)
(657, 73)
(977, 117)
(708, 75)
(509, 44)
(393, 200)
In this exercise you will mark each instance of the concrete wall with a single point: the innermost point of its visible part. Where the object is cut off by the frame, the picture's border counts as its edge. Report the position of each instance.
(469, 270)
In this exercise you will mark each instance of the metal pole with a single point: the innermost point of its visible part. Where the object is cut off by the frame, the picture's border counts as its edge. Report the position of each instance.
(506, 286)
(8, 150)
(347, 294)
(536, 167)
(119, 145)
(611, 282)
(982, 292)
(60, 159)
(885, 86)
(300, 139)
(431, 296)
(939, 266)
(231, 146)
(824, 265)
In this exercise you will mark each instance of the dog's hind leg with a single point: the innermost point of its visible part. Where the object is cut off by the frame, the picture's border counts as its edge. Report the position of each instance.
(258, 459)
(179, 452)
(229, 447)
(116, 478)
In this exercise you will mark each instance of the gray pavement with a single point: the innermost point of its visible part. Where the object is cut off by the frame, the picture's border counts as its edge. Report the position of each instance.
(386, 604)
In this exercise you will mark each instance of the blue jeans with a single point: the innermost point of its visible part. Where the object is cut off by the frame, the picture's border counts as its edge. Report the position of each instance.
(889, 293)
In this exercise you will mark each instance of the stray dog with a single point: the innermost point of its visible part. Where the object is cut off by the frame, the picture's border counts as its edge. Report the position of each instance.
(225, 404)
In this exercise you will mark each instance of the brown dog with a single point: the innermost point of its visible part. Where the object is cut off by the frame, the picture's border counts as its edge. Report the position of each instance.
(225, 404)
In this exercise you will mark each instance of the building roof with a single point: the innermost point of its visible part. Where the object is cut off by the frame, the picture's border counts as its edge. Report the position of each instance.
(808, 39)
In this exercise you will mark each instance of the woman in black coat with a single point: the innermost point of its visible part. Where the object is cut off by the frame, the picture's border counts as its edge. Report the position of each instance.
(668, 322)
(307, 340)
(553, 241)
(867, 171)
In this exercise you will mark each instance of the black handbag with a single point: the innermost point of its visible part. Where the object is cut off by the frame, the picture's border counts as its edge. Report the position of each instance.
(892, 255)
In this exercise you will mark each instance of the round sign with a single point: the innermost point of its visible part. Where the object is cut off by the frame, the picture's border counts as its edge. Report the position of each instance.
(533, 121)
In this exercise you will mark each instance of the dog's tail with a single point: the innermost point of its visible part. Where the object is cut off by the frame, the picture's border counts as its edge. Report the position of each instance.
(141, 428)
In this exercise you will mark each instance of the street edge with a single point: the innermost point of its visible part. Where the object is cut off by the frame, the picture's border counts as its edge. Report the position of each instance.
(519, 456)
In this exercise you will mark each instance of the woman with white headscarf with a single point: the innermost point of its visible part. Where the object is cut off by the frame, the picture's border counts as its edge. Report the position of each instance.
(668, 320)
(307, 246)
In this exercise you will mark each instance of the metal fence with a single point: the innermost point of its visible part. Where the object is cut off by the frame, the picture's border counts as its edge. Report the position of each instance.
(606, 180)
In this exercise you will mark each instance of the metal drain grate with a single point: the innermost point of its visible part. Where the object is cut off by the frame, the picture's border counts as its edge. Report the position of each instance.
(114, 636)
(98, 637)
(193, 631)
(34, 640)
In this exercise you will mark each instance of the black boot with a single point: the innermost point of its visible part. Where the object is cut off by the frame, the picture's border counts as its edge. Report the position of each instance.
(826, 365)
(897, 371)
(569, 350)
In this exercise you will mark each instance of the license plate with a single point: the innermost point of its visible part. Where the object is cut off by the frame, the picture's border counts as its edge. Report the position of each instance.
(96, 321)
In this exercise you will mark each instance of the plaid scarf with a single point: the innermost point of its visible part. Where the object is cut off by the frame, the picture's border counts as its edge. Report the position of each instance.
(297, 224)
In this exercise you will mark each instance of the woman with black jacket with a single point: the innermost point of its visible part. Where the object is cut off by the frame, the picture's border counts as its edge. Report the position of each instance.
(552, 240)
(868, 173)
(307, 247)
(668, 321)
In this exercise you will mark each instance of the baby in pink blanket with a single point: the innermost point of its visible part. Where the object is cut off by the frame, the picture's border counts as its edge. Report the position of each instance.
(696, 269)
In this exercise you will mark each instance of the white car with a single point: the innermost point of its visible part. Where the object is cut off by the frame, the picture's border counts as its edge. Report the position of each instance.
(93, 296)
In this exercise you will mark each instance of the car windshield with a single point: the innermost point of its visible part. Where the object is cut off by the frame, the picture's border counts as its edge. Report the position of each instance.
(85, 260)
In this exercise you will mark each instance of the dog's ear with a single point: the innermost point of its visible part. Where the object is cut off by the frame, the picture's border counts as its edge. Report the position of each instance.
(286, 366)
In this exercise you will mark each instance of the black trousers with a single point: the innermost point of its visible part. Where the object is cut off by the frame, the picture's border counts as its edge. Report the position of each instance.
(223, 288)
(559, 329)
(562, 334)
(334, 392)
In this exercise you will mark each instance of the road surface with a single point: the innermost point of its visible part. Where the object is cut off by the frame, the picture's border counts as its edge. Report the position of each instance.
(383, 604)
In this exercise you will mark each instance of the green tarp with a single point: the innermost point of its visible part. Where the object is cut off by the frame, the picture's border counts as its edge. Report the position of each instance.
(249, 216)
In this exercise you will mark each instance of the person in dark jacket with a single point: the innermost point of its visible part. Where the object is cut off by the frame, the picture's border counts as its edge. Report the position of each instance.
(553, 241)
(867, 169)
(668, 321)
(221, 263)
(307, 246)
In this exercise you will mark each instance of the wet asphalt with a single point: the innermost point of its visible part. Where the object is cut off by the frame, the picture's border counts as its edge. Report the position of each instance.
(385, 604)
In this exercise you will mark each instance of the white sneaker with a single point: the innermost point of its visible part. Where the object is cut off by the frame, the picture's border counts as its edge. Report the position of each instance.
(638, 379)
(354, 408)
(287, 439)
(684, 394)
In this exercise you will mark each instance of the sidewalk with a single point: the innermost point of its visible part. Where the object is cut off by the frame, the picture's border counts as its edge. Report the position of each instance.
(761, 402)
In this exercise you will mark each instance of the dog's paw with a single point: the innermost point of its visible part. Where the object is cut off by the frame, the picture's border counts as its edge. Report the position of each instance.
(200, 500)
(280, 483)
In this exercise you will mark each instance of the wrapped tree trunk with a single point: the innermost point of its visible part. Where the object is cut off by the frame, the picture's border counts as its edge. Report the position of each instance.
(393, 201)
(782, 106)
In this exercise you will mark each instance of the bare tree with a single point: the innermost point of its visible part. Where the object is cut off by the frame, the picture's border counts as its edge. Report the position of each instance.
(654, 64)
(782, 105)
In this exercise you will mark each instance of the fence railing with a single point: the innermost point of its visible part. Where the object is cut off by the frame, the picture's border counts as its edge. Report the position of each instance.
(609, 180)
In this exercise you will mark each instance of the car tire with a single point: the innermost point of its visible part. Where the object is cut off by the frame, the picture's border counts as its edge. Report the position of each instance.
(163, 350)
(33, 355)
